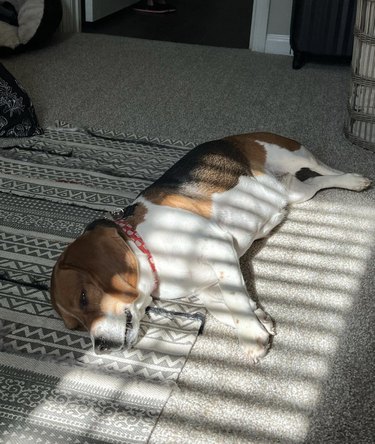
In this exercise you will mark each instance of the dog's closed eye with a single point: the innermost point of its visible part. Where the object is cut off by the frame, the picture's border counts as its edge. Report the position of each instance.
(83, 300)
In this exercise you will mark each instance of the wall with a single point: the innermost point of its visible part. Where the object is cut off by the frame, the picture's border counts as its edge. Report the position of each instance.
(279, 17)
(278, 29)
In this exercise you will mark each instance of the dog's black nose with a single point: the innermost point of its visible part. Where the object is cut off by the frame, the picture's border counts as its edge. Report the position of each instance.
(101, 345)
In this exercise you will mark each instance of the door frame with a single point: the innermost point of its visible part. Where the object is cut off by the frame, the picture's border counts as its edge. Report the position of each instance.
(259, 25)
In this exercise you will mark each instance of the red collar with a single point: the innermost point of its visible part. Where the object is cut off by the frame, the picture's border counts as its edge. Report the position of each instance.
(139, 242)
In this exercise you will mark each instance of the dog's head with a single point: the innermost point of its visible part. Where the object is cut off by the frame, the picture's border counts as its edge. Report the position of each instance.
(94, 287)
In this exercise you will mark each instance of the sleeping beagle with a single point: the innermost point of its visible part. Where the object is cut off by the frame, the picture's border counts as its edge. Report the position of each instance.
(184, 235)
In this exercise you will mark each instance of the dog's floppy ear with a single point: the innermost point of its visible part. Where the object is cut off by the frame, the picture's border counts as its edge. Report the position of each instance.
(100, 223)
(70, 321)
(106, 257)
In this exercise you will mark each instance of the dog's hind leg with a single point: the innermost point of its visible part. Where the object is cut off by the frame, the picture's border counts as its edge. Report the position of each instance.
(308, 160)
(299, 191)
(302, 191)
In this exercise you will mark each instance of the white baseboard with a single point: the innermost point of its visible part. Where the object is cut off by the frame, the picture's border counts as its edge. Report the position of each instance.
(278, 44)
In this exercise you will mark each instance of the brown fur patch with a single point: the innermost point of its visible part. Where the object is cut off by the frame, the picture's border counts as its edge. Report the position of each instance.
(253, 151)
(199, 206)
(137, 216)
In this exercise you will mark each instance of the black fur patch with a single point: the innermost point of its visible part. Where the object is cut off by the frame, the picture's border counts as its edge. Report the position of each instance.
(306, 173)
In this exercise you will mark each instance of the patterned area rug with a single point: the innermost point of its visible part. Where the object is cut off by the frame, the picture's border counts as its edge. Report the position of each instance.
(54, 389)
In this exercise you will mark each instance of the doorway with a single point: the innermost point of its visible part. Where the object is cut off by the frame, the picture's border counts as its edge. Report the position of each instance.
(205, 22)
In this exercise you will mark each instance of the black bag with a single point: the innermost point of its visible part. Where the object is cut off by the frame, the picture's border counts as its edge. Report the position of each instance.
(321, 28)
(17, 115)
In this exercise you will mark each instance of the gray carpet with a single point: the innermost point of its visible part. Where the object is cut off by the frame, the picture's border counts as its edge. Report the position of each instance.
(314, 275)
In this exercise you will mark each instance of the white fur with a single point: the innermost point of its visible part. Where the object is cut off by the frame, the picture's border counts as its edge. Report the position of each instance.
(181, 245)
(112, 328)
(251, 209)
(194, 255)
(284, 161)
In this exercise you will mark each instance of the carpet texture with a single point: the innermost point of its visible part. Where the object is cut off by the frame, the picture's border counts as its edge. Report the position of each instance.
(314, 275)
(53, 386)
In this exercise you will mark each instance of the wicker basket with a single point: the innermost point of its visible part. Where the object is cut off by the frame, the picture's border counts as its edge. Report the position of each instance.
(360, 123)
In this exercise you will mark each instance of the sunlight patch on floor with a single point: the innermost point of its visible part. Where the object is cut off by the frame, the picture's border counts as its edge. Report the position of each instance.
(308, 277)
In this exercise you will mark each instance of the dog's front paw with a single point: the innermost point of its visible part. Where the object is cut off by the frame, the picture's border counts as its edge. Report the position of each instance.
(254, 340)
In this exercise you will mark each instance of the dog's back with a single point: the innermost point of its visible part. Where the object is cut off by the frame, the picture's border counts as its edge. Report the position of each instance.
(233, 181)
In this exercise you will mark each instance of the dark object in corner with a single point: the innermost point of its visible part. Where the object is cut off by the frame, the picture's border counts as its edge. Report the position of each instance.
(17, 115)
(321, 28)
(27, 24)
